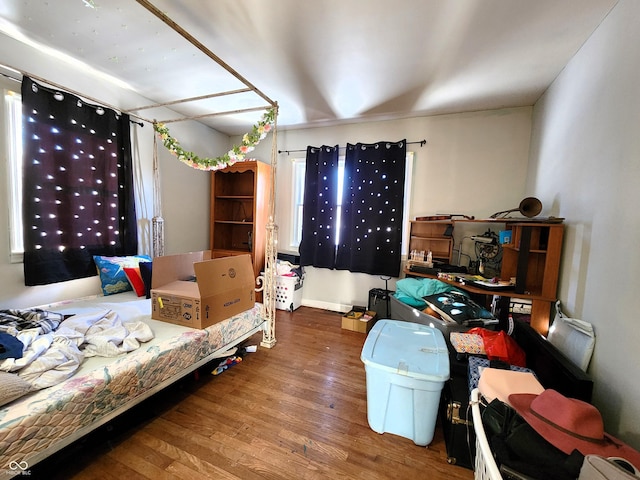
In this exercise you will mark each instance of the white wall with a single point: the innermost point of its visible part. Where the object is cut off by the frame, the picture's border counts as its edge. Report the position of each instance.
(473, 164)
(585, 158)
(185, 191)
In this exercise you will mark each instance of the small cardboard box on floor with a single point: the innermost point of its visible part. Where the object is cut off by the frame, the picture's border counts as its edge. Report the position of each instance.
(193, 290)
(359, 319)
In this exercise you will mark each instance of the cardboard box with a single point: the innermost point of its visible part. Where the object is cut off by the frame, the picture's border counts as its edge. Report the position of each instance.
(196, 291)
(359, 319)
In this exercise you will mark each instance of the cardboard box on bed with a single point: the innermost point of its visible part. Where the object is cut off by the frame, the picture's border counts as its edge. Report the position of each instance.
(222, 287)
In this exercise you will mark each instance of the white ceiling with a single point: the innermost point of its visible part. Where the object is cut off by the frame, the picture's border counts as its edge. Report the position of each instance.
(323, 61)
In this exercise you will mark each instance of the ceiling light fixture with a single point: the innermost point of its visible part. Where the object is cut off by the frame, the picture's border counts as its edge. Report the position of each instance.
(89, 3)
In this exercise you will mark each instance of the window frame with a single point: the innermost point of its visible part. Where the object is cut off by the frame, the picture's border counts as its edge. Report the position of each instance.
(297, 201)
(13, 135)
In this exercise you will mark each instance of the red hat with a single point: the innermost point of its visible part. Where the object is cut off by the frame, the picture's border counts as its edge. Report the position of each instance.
(570, 424)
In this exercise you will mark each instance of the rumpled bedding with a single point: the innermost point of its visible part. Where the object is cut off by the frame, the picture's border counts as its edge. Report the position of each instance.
(54, 348)
(16, 320)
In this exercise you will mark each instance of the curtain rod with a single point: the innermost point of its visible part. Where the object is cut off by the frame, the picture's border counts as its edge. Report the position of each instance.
(48, 84)
(421, 142)
(96, 105)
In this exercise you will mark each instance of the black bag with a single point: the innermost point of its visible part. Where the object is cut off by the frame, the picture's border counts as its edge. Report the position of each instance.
(518, 446)
(379, 302)
(497, 418)
(457, 425)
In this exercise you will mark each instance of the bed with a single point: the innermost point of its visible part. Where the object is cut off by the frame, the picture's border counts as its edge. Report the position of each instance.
(40, 423)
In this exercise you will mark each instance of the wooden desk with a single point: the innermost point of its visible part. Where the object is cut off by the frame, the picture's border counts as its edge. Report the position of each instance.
(531, 257)
(540, 306)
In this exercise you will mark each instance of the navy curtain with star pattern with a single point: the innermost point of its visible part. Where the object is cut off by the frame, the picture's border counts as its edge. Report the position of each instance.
(320, 207)
(372, 208)
(77, 185)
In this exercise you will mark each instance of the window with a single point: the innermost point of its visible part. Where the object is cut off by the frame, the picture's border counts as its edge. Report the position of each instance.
(297, 201)
(13, 120)
(298, 197)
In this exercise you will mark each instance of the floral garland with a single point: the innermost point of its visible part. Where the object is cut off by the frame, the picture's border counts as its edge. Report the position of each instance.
(236, 154)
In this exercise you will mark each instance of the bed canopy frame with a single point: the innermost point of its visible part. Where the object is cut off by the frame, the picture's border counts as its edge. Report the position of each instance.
(266, 282)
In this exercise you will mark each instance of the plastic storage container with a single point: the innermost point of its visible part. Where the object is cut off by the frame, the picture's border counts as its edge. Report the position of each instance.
(406, 365)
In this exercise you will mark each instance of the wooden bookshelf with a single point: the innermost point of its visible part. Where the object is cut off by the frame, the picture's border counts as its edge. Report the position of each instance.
(239, 211)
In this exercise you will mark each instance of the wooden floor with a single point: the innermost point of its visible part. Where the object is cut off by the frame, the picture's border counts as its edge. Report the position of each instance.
(296, 411)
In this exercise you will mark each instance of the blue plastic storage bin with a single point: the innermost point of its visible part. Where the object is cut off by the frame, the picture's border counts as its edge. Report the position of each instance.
(406, 365)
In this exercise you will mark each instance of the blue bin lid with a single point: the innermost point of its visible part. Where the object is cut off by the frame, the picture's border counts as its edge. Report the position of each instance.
(409, 349)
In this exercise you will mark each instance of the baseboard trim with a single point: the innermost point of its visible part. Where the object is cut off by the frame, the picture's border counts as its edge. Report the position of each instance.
(333, 307)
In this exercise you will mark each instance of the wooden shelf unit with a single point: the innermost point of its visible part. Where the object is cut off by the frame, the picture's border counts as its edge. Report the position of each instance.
(533, 258)
(430, 236)
(239, 211)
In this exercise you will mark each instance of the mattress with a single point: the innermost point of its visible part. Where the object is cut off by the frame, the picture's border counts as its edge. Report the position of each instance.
(37, 425)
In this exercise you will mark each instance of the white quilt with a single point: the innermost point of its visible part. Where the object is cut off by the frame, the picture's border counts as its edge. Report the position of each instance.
(50, 358)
